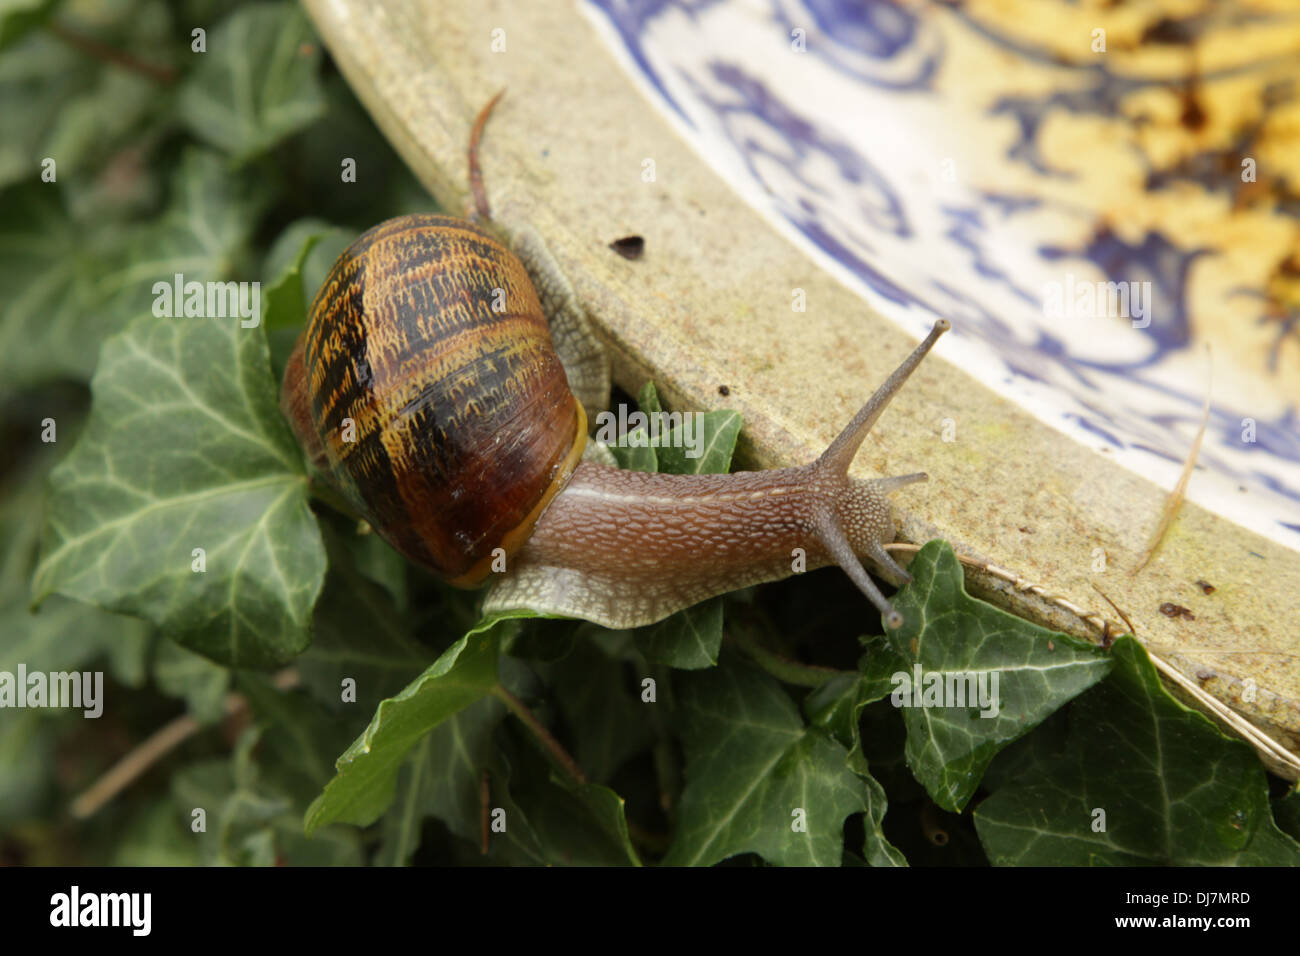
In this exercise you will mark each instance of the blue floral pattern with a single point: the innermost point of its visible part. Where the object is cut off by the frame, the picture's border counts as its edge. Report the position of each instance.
(972, 247)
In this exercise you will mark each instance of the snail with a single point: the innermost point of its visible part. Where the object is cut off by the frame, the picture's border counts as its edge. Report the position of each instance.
(426, 389)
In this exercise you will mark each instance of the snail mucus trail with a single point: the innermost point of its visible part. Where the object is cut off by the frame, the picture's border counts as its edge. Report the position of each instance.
(427, 389)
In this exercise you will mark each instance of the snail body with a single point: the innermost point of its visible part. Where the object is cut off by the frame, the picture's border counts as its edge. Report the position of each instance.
(628, 548)
(425, 387)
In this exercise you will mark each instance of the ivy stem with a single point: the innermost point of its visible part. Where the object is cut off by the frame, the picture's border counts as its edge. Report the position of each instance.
(544, 736)
(109, 54)
(782, 668)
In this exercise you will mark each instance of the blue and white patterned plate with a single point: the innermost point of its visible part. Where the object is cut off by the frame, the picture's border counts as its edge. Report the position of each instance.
(1090, 193)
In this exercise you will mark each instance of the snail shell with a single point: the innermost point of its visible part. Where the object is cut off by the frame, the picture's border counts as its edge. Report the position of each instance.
(426, 384)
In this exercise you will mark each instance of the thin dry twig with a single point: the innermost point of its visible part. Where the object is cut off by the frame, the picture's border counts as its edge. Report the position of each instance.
(1106, 638)
(538, 730)
(154, 748)
(1175, 499)
(108, 54)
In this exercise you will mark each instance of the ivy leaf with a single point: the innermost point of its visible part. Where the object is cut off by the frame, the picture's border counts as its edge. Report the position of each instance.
(402, 821)
(754, 772)
(128, 653)
(836, 706)
(316, 154)
(592, 813)
(254, 801)
(955, 639)
(689, 639)
(64, 635)
(300, 243)
(366, 778)
(635, 451)
(648, 399)
(68, 285)
(333, 846)
(358, 635)
(28, 747)
(239, 812)
(553, 820)
(48, 280)
(20, 530)
(603, 710)
(1286, 810)
(442, 778)
(249, 819)
(712, 441)
(95, 119)
(1046, 742)
(185, 449)
(300, 739)
(102, 126)
(284, 305)
(202, 235)
(377, 561)
(198, 681)
(546, 640)
(1173, 789)
(18, 17)
(257, 84)
(37, 77)
(154, 836)
(876, 848)
(606, 809)
(296, 267)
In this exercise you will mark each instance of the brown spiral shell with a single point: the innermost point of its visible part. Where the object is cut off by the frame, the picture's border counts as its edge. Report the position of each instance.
(427, 334)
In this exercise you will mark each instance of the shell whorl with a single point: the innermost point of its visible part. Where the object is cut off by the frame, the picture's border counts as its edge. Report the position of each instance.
(427, 334)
